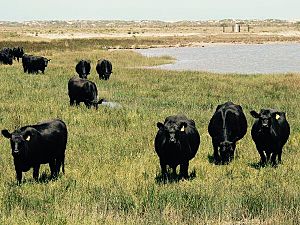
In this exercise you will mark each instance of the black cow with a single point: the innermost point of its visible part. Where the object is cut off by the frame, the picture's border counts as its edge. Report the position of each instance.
(270, 132)
(18, 53)
(83, 90)
(34, 64)
(26, 62)
(38, 144)
(226, 127)
(8, 51)
(104, 69)
(83, 68)
(5, 58)
(176, 142)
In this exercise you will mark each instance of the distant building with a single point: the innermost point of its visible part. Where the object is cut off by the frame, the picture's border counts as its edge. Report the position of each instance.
(236, 28)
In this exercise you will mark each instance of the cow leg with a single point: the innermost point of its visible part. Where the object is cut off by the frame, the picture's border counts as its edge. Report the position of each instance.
(163, 167)
(18, 172)
(216, 153)
(63, 163)
(184, 170)
(72, 101)
(273, 158)
(262, 155)
(279, 156)
(87, 104)
(77, 103)
(53, 168)
(36, 169)
(19, 176)
(268, 154)
(58, 164)
(231, 156)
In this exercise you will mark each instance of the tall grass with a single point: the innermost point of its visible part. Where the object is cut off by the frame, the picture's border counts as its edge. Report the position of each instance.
(111, 166)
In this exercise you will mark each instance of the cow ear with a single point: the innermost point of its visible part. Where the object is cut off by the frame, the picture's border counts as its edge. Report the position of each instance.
(183, 125)
(27, 136)
(160, 125)
(6, 133)
(254, 114)
(278, 115)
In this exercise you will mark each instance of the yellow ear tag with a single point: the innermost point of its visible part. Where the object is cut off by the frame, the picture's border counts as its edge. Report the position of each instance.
(277, 117)
(182, 129)
(28, 138)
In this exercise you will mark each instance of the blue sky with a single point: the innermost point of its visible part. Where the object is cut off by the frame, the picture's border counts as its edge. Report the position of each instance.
(166, 10)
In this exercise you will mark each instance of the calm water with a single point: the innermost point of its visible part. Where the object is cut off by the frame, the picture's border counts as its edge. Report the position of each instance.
(233, 58)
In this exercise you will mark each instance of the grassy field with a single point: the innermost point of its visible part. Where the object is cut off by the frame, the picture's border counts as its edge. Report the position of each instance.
(111, 166)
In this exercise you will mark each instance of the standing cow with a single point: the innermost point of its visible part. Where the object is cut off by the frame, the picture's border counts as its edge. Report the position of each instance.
(270, 132)
(176, 143)
(83, 68)
(83, 90)
(104, 69)
(34, 64)
(18, 52)
(226, 127)
(38, 144)
(5, 58)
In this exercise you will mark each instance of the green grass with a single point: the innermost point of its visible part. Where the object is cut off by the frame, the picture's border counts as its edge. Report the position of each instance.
(111, 166)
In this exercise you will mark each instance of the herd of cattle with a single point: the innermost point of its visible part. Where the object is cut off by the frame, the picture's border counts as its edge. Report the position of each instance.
(177, 140)
(8, 54)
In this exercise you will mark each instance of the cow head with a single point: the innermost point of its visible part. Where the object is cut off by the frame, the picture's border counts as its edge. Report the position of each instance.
(46, 61)
(83, 68)
(172, 131)
(96, 102)
(226, 151)
(265, 118)
(18, 140)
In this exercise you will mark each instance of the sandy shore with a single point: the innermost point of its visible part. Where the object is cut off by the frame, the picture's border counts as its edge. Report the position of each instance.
(78, 35)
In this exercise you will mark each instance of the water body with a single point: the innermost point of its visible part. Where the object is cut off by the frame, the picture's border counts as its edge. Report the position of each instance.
(233, 58)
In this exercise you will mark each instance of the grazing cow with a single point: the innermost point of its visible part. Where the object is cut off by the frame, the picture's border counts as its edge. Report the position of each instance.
(83, 68)
(18, 53)
(176, 142)
(270, 132)
(83, 90)
(226, 127)
(38, 144)
(104, 69)
(34, 64)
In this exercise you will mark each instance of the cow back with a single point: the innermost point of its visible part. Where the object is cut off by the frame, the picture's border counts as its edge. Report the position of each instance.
(228, 122)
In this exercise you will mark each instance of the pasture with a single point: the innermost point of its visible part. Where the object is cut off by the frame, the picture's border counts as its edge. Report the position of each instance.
(111, 167)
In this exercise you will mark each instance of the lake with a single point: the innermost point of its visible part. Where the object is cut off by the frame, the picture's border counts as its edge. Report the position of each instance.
(232, 58)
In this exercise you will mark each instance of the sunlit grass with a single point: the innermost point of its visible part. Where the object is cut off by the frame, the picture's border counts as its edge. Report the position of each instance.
(111, 164)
